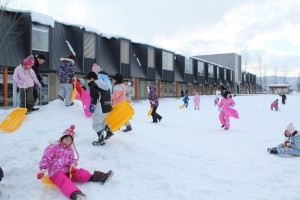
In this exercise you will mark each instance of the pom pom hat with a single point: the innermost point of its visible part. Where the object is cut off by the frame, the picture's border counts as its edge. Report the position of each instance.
(28, 61)
(290, 128)
(70, 132)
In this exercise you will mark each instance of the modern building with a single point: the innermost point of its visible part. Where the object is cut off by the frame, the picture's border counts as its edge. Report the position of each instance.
(143, 64)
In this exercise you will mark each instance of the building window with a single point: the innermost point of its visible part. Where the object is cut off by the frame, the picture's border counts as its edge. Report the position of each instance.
(89, 41)
(201, 69)
(210, 70)
(167, 62)
(218, 72)
(40, 38)
(124, 51)
(188, 66)
(150, 57)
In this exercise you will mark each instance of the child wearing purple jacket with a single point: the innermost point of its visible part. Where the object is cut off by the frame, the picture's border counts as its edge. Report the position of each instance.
(59, 158)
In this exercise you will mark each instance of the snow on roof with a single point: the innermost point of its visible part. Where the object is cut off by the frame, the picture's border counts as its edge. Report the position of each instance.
(42, 18)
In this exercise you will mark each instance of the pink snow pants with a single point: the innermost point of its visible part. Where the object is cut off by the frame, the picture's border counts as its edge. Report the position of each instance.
(66, 186)
(224, 119)
(196, 105)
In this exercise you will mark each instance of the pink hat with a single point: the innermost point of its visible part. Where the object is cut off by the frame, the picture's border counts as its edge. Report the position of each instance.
(69, 132)
(28, 61)
(290, 128)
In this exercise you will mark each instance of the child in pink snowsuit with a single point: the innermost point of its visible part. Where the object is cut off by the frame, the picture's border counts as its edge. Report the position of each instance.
(196, 100)
(274, 105)
(59, 158)
(225, 105)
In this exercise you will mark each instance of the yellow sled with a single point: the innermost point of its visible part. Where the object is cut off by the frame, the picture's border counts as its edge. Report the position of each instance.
(181, 106)
(150, 112)
(46, 180)
(120, 115)
(74, 92)
(13, 120)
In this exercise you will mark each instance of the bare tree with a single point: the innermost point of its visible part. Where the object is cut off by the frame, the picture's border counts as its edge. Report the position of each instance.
(265, 72)
(10, 31)
(260, 70)
(284, 74)
(275, 75)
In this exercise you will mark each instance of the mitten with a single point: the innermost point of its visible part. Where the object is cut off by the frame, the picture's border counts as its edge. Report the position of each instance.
(41, 174)
(92, 108)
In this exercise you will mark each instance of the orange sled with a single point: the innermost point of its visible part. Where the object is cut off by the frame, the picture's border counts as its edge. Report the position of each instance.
(13, 120)
(120, 115)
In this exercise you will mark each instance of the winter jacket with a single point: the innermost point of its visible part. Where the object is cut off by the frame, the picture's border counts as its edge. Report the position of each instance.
(197, 98)
(36, 69)
(186, 99)
(226, 104)
(274, 105)
(294, 149)
(103, 76)
(25, 77)
(99, 90)
(57, 158)
(130, 92)
(66, 70)
(118, 94)
(152, 97)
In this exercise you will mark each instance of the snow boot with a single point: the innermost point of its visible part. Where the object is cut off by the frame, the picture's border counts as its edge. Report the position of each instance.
(128, 128)
(101, 139)
(108, 135)
(101, 177)
(78, 195)
(222, 126)
(272, 150)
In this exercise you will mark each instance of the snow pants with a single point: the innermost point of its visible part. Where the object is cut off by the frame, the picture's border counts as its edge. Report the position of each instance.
(27, 100)
(286, 150)
(66, 185)
(196, 105)
(224, 119)
(65, 92)
(98, 118)
(155, 115)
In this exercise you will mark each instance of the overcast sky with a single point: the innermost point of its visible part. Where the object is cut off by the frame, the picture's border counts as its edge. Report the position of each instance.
(266, 30)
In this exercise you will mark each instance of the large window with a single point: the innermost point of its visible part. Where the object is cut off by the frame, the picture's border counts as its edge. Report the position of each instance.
(89, 40)
(167, 63)
(40, 38)
(201, 71)
(124, 51)
(188, 66)
(210, 70)
(150, 57)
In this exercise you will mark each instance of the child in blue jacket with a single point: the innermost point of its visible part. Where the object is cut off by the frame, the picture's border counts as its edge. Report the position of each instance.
(186, 100)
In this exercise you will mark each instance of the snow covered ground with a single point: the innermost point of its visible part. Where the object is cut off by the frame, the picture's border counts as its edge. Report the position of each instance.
(187, 156)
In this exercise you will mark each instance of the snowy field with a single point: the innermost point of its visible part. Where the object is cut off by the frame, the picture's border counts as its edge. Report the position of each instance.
(187, 156)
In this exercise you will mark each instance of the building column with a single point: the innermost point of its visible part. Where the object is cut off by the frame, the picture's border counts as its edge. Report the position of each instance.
(136, 88)
(158, 88)
(5, 85)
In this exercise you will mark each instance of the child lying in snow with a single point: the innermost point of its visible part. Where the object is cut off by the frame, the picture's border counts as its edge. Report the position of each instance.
(291, 145)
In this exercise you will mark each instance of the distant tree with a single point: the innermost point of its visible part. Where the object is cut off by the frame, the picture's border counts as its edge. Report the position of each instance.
(265, 72)
(260, 70)
(11, 31)
(275, 75)
(284, 75)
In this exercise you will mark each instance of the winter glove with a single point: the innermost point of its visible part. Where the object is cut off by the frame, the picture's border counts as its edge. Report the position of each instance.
(84, 88)
(92, 108)
(41, 174)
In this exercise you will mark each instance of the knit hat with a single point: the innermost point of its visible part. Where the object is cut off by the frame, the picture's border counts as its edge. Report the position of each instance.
(28, 61)
(118, 77)
(69, 132)
(290, 128)
(96, 68)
